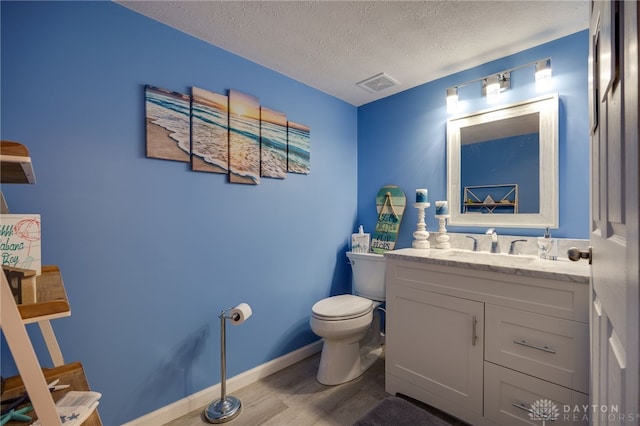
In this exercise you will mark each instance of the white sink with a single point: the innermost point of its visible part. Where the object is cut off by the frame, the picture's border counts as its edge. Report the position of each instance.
(485, 258)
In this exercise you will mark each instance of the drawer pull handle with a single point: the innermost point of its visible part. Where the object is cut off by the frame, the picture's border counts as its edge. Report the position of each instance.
(538, 347)
(474, 336)
(522, 407)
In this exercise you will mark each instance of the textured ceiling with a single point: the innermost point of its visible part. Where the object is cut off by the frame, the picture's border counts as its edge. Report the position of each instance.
(333, 45)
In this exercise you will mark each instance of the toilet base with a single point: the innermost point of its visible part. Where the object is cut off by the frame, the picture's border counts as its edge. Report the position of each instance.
(370, 357)
(341, 363)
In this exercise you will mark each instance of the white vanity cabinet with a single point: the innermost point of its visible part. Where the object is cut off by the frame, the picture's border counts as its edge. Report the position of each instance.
(486, 343)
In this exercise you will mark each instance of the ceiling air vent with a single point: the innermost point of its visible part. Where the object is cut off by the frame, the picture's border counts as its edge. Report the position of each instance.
(378, 83)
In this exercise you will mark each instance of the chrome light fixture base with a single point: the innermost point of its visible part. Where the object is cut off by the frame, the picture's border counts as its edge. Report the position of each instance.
(503, 79)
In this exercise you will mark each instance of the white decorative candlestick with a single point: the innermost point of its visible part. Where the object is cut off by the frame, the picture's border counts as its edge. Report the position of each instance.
(421, 236)
(442, 238)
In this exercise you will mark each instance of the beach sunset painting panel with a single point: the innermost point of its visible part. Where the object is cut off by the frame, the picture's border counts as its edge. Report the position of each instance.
(209, 131)
(167, 124)
(244, 138)
(273, 138)
(299, 148)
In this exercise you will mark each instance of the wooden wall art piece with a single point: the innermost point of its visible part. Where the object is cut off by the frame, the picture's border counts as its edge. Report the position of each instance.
(244, 138)
(209, 131)
(273, 143)
(299, 148)
(167, 124)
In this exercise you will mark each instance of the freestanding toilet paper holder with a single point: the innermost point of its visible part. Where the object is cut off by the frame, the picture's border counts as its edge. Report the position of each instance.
(227, 407)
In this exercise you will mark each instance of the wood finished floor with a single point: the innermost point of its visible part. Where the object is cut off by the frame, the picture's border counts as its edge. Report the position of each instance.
(293, 396)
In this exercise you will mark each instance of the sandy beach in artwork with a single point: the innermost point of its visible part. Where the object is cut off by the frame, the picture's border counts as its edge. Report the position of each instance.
(160, 145)
(166, 148)
(199, 165)
(235, 178)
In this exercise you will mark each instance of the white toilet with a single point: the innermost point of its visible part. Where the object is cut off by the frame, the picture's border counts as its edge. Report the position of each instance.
(350, 324)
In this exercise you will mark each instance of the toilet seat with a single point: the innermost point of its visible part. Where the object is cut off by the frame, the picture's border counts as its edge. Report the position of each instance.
(343, 307)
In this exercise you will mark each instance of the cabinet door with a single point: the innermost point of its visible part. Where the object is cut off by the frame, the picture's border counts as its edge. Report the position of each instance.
(434, 342)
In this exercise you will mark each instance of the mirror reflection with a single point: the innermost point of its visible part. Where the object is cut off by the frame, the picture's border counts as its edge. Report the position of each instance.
(502, 165)
(499, 162)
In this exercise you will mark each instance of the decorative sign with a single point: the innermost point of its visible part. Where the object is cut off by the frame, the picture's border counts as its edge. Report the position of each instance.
(390, 204)
(20, 241)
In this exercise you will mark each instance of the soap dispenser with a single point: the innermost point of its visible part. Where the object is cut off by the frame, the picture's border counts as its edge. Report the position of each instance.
(547, 246)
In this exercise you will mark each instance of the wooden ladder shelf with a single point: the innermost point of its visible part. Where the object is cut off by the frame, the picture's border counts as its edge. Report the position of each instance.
(51, 303)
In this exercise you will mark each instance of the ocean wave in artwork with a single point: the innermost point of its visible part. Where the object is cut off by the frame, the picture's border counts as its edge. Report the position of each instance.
(170, 111)
(299, 147)
(273, 137)
(244, 147)
(210, 140)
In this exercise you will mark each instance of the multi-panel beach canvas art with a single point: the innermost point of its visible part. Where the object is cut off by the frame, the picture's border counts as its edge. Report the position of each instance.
(228, 134)
(273, 143)
(244, 138)
(167, 124)
(299, 148)
(209, 131)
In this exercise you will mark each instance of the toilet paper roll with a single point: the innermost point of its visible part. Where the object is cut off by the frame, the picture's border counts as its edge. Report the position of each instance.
(240, 313)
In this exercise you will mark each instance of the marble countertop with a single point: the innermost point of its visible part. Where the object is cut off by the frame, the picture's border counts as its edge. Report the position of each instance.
(524, 265)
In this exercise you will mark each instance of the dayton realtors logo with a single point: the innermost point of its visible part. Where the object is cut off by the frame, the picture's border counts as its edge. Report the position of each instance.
(544, 409)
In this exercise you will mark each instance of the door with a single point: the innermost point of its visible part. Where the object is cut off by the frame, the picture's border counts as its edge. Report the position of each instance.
(435, 343)
(613, 100)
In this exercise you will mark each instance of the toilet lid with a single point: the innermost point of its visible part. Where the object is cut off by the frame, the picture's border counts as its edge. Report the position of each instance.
(345, 306)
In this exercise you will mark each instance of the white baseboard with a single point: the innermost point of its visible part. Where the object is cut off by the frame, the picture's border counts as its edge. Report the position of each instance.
(200, 399)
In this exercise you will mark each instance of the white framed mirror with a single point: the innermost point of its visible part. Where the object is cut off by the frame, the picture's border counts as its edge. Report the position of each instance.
(502, 166)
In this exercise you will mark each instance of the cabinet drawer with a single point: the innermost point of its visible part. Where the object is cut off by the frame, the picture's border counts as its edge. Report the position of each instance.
(513, 398)
(550, 348)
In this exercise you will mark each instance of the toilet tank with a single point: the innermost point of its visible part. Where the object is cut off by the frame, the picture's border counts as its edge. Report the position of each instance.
(368, 275)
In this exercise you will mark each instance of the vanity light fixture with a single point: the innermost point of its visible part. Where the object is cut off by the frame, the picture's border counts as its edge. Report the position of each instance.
(452, 99)
(492, 88)
(494, 84)
(543, 75)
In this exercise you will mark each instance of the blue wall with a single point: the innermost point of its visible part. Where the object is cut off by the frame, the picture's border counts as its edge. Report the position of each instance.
(402, 138)
(150, 251)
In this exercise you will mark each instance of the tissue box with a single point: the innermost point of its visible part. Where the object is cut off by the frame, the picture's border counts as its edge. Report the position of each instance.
(20, 241)
(360, 243)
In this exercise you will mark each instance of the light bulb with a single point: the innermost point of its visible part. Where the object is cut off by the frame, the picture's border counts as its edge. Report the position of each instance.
(543, 75)
(452, 99)
(493, 89)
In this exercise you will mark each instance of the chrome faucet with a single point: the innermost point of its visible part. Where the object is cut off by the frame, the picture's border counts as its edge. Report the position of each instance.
(512, 247)
(494, 240)
(475, 242)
